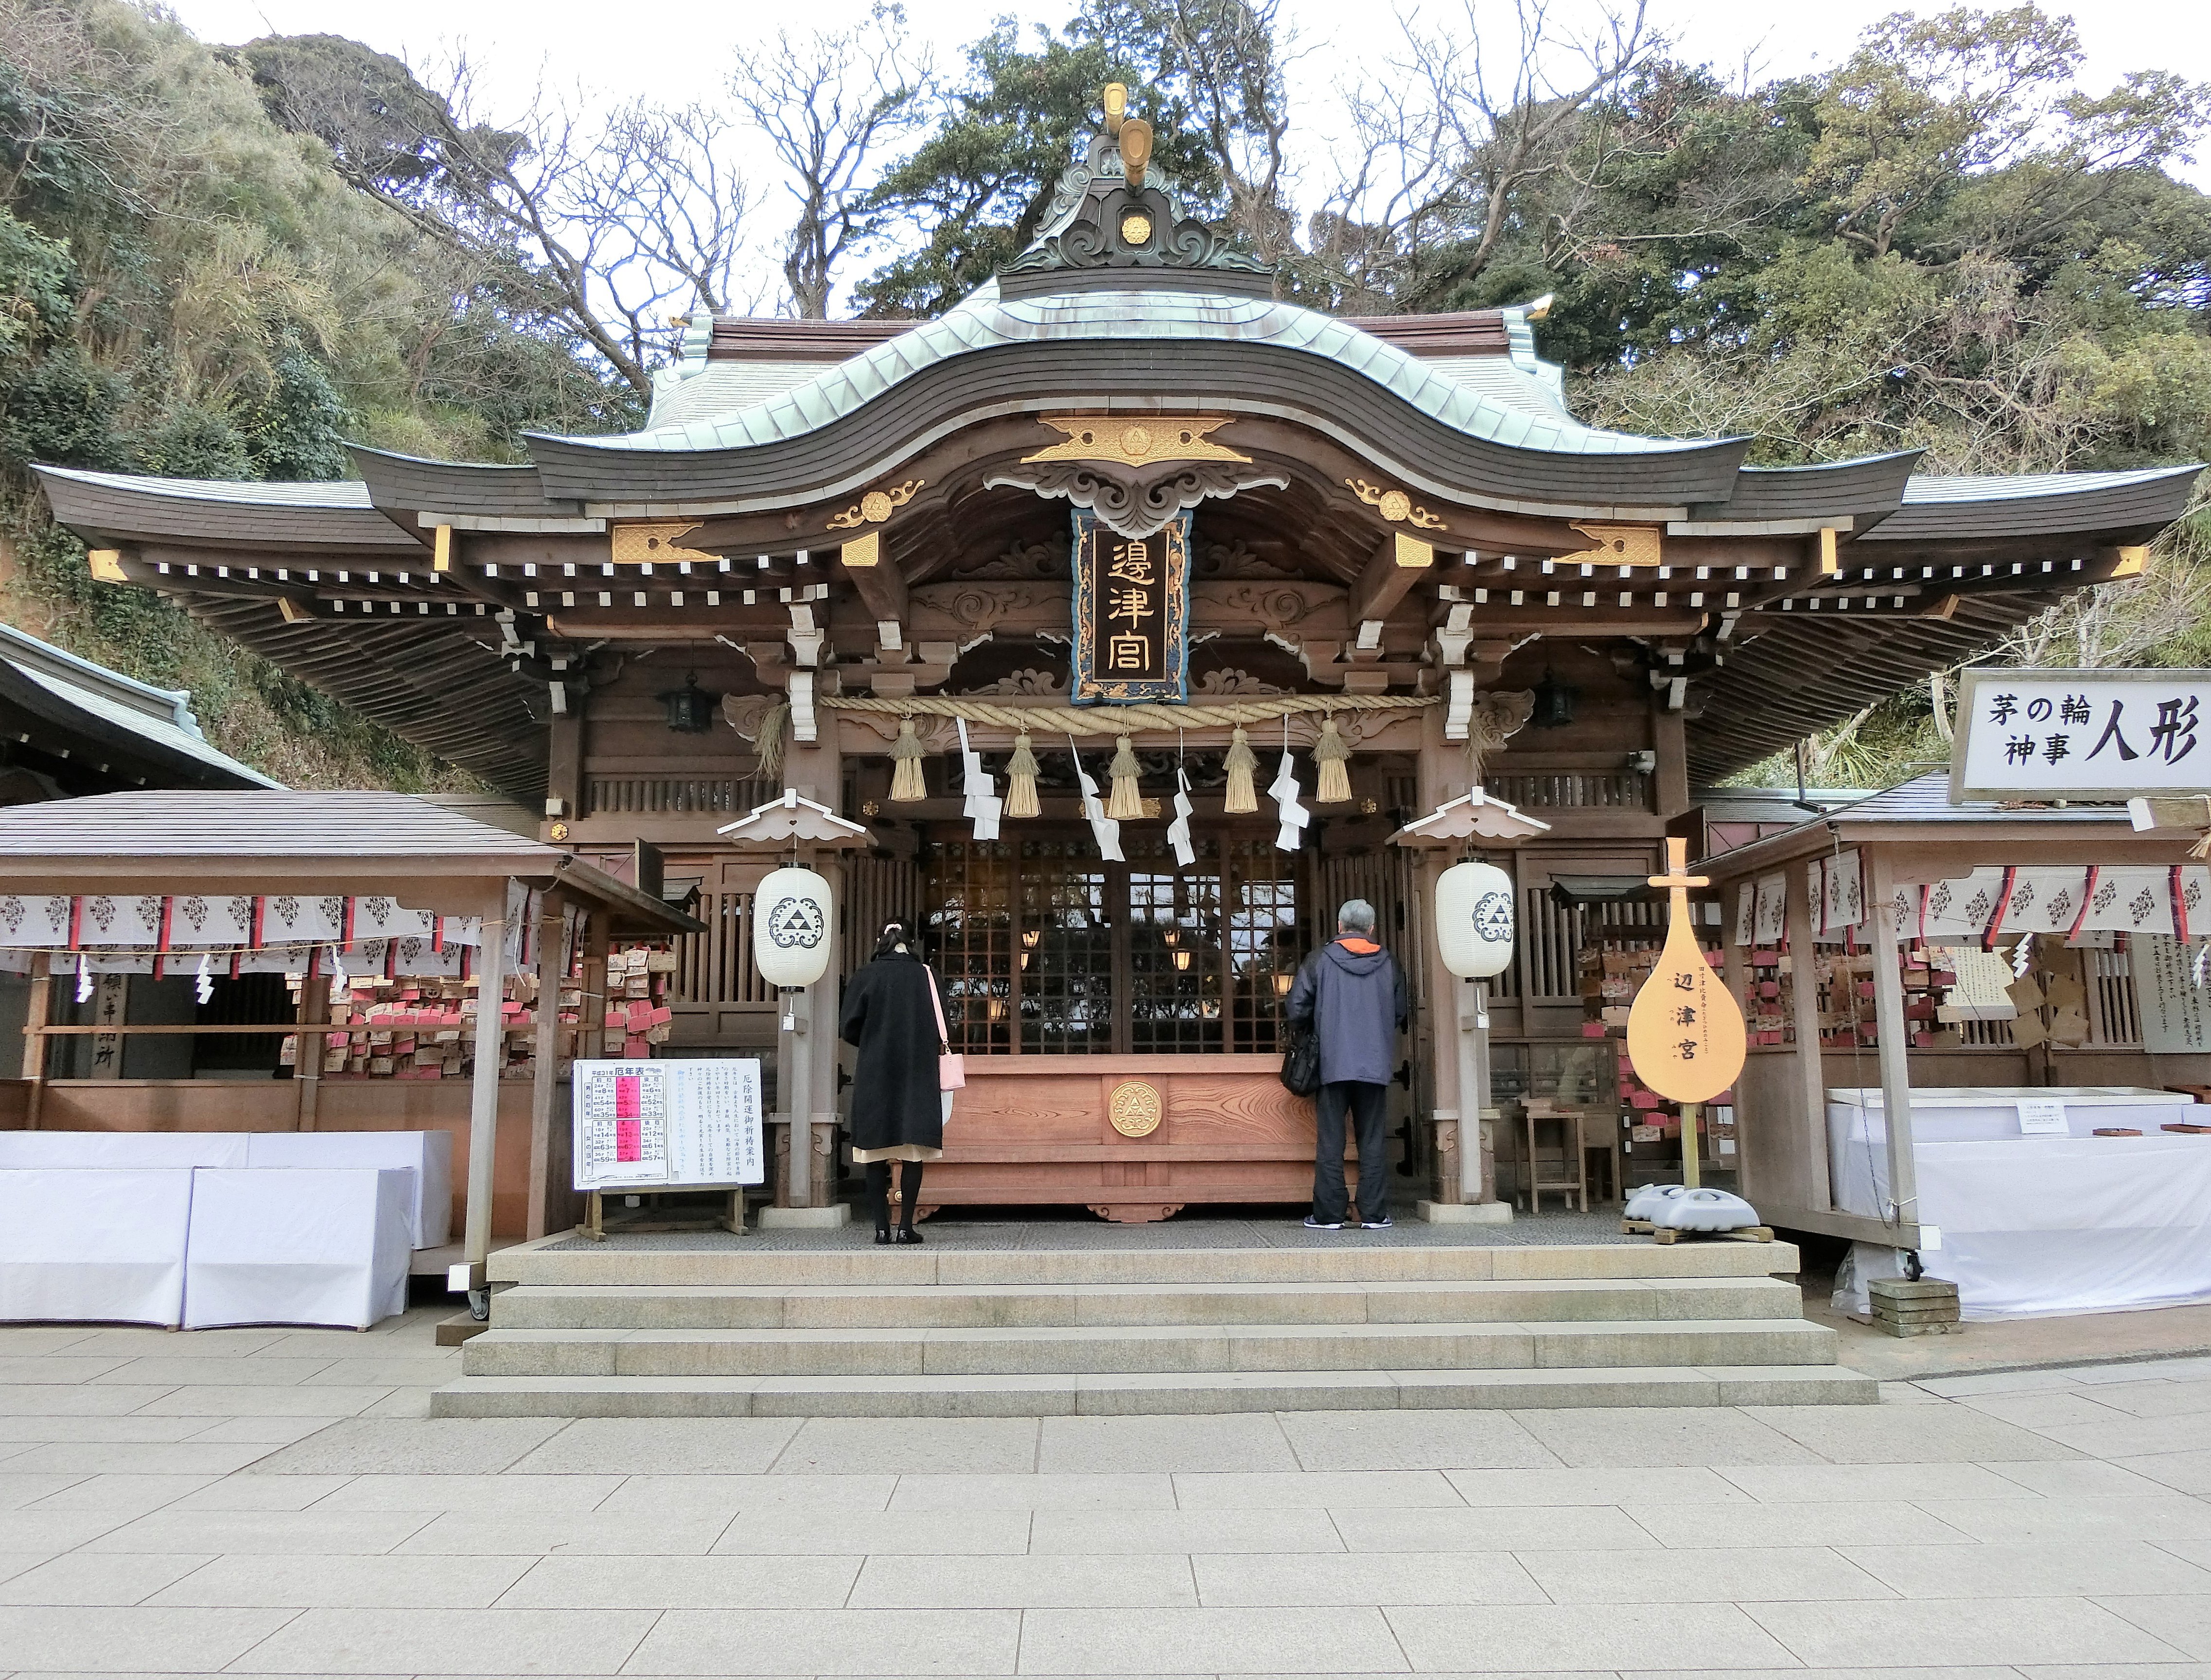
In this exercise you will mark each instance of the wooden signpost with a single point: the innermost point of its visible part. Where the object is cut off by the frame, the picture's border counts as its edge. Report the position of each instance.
(1685, 1033)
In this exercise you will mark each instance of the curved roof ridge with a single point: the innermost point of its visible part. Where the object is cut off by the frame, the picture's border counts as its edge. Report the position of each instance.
(268, 492)
(983, 322)
(1924, 488)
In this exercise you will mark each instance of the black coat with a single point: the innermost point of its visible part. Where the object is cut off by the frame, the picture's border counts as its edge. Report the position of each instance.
(890, 1020)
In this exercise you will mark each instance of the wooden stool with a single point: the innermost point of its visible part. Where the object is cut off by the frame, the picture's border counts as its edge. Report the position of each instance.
(1574, 1187)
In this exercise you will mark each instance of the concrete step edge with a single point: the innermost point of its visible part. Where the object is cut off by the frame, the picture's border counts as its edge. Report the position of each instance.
(1074, 1334)
(1109, 1394)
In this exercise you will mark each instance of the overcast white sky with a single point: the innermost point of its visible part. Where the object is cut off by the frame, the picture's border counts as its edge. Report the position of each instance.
(678, 52)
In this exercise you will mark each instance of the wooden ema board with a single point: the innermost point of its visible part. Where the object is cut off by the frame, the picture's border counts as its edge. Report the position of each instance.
(1685, 1031)
(1133, 1138)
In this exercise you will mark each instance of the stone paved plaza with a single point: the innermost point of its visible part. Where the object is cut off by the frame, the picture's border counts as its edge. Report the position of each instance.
(275, 1502)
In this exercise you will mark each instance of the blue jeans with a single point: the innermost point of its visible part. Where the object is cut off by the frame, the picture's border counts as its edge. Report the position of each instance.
(1369, 1107)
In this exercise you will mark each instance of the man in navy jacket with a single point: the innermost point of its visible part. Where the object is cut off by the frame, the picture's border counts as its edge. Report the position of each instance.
(1352, 994)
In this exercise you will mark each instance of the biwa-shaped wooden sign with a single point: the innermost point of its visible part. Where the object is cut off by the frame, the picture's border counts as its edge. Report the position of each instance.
(1684, 1033)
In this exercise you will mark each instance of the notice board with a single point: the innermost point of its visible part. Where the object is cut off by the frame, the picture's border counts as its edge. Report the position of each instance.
(668, 1124)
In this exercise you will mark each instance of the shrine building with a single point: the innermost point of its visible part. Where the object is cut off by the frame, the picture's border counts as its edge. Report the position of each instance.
(1125, 528)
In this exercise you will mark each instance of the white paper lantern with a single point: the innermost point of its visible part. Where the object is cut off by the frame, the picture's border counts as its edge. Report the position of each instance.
(792, 922)
(1475, 920)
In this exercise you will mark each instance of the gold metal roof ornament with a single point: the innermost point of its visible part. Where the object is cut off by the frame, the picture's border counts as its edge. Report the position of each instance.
(1136, 440)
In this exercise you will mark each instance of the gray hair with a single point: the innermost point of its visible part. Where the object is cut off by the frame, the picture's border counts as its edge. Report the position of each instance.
(1357, 916)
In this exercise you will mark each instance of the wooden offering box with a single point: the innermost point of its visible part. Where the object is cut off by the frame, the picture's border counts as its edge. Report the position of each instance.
(1134, 1138)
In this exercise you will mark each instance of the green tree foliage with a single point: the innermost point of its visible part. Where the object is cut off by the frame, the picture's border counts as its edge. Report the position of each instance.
(191, 288)
(973, 194)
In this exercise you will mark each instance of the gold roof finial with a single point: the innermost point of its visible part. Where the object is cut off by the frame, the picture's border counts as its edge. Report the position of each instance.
(1135, 150)
(1117, 107)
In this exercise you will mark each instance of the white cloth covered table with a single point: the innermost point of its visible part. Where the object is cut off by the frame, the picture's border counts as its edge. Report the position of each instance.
(1857, 1133)
(429, 1154)
(127, 1151)
(2043, 1225)
(298, 1245)
(81, 1243)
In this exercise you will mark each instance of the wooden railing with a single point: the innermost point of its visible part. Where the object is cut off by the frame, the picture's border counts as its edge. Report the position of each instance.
(1621, 790)
(675, 795)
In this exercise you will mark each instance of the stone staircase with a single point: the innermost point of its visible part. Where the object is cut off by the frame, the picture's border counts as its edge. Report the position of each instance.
(954, 1332)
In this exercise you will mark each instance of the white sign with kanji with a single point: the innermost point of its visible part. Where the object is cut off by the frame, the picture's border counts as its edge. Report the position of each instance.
(2080, 734)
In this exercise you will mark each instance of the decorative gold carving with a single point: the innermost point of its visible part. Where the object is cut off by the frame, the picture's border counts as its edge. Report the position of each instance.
(559, 831)
(1135, 228)
(1136, 442)
(1395, 505)
(1617, 545)
(647, 542)
(1135, 1108)
(877, 506)
(1117, 107)
(106, 565)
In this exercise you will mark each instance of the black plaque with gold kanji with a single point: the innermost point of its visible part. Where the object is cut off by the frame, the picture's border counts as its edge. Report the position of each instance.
(1131, 613)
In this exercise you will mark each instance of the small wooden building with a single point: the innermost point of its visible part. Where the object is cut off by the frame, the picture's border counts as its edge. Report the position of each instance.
(1877, 947)
(137, 897)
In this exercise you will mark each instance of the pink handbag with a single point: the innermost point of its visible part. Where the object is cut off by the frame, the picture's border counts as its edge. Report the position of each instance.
(951, 1066)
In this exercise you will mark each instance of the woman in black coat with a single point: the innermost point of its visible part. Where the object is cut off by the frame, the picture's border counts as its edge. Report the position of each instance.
(891, 1014)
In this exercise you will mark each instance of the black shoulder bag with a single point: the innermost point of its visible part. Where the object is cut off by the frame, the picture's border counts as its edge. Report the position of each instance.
(1301, 1053)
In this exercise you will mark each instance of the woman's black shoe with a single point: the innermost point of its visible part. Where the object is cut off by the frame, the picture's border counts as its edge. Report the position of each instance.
(907, 1234)
(882, 1233)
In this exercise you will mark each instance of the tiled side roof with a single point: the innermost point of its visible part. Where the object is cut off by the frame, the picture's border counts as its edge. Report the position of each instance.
(366, 826)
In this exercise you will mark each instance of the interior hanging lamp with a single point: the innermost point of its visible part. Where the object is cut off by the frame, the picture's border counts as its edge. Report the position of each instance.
(690, 708)
(1554, 701)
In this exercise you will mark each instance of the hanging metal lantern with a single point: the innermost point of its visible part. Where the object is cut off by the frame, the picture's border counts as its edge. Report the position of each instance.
(690, 708)
(1475, 920)
(1554, 702)
(793, 919)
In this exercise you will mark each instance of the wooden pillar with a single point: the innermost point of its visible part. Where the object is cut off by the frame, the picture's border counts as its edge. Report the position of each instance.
(483, 1092)
(544, 1086)
(821, 1047)
(1804, 1013)
(591, 1015)
(314, 1010)
(564, 767)
(1895, 1065)
(1669, 742)
(38, 1011)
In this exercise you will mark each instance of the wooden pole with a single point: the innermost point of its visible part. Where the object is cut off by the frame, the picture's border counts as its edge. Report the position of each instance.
(544, 1085)
(1804, 1011)
(483, 1095)
(39, 1010)
(309, 1048)
(1895, 1068)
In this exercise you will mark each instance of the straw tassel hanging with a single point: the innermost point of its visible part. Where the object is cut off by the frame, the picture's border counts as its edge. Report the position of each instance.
(907, 784)
(1126, 805)
(1330, 753)
(768, 744)
(1021, 780)
(1243, 794)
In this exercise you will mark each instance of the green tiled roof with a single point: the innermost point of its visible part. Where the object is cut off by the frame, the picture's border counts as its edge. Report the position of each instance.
(985, 321)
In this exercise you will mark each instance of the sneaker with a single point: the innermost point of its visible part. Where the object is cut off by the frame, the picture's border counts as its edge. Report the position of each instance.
(1381, 1224)
(1313, 1222)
